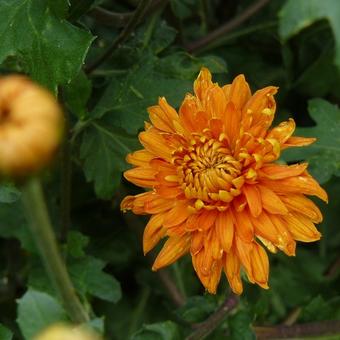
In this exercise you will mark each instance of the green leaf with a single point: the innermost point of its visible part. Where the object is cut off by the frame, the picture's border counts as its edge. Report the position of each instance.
(8, 193)
(240, 326)
(5, 333)
(50, 49)
(13, 224)
(299, 14)
(36, 311)
(127, 99)
(103, 149)
(59, 7)
(317, 309)
(166, 330)
(88, 276)
(324, 155)
(76, 242)
(198, 308)
(77, 93)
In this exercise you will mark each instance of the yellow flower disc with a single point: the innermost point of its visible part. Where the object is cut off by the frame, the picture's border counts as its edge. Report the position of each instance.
(31, 124)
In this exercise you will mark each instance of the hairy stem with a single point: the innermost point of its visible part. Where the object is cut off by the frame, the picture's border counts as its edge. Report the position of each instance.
(45, 240)
(203, 329)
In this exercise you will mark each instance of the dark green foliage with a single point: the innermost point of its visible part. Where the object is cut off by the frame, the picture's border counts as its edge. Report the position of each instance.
(293, 44)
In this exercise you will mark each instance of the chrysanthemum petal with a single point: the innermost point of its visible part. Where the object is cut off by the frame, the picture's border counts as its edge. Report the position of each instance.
(297, 141)
(143, 177)
(260, 265)
(244, 228)
(232, 270)
(225, 229)
(139, 158)
(279, 171)
(163, 116)
(271, 202)
(253, 197)
(153, 232)
(303, 184)
(215, 102)
(202, 83)
(303, 205)
(286, 242)
(301, 228)
(174, 248)
(239, 92)
(178, 214)
(155, 144)
(283, 131)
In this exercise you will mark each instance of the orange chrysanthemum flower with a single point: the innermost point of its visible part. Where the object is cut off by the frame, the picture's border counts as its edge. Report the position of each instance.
(214, 187)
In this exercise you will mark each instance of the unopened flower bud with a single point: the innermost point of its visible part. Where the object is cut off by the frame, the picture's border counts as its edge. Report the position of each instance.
(66, 332)
(31, 124)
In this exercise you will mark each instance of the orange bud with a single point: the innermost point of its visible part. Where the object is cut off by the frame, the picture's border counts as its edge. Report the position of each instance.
(31, 124)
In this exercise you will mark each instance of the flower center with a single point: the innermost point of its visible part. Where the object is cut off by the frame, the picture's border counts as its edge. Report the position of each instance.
(208, 172)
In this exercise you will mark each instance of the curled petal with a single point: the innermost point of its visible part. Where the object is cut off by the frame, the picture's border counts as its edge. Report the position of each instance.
(143, 177)
(140, 158)
(283, 131)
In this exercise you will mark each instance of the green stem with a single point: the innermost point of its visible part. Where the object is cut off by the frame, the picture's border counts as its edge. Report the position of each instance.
(65, 186)
(179, 279)
(139, 310)
(44, 237)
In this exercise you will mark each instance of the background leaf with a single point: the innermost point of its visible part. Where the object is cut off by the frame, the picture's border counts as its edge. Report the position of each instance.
(50, 49)
(36, 311)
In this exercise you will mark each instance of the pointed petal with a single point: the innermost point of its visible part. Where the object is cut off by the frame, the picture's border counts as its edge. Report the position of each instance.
(302, 205)
(155, 144)
(202, 83)
(178, 214)
(232, 270)
(278, 171)
(143, 177)
(297, 142)
(301, 228)
(253, 198)
(271, 202)
(153, 232)
(139, 158)
(174, 248)
(243, 226)
(303, 184)
(239, 92)
(225, 229)
(260, 265)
